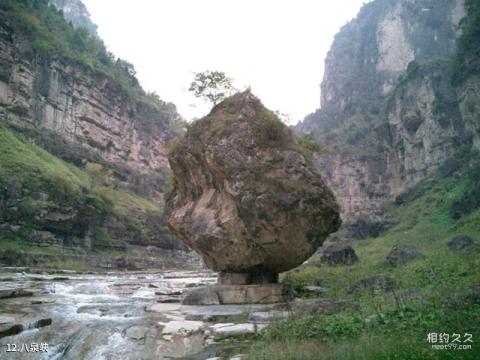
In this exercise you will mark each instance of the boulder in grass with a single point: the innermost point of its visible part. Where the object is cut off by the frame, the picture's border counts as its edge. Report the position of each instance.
(339, 254)
(461, 243)
(401, 254)
(376, 282)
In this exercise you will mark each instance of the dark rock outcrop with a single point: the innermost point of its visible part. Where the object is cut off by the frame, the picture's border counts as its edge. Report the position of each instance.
(246, 196)
(401, 254)
(460, 243)
(339, 254)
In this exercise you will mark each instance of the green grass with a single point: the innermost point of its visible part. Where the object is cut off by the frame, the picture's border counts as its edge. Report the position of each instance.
(40, 192)
(21, 157)
(125, 202)
(392, 325)
(49, 34)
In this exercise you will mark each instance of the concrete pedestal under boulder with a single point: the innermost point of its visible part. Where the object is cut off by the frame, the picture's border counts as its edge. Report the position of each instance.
(239, 294)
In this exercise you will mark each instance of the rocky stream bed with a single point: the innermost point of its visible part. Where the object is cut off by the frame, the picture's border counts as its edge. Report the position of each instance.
(120, 315)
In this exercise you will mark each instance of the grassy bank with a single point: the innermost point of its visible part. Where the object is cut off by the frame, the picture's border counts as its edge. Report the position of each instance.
(395, 324)
(44, 200)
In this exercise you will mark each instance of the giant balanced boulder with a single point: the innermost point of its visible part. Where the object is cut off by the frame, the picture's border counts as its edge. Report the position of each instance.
(246, 195)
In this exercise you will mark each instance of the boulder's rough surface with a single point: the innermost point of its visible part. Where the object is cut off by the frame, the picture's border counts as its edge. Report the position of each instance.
(247, 196)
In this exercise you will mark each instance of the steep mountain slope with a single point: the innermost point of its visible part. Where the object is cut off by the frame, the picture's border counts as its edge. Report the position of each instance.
(61, 90)
(391, 113)
(75, 12)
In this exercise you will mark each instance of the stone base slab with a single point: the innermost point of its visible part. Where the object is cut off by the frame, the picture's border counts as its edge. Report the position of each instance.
(239, 294)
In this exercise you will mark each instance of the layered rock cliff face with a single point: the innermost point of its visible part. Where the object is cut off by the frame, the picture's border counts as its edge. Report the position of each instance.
(390, 111)
(87, 109)
(63, 92)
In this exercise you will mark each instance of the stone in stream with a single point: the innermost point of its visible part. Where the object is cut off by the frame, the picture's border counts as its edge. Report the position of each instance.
(168, 299)
(136, 332)
(162, 307)
(43, 300)
(13, 293)
(168, 292)
(222, 331)
(266, 316)
(247, 198)
(42, 322)
(183, 328)
(178, 346)
(10, 328)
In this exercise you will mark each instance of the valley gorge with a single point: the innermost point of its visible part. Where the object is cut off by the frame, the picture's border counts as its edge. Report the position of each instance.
(98, 120)
(128, 232)
(390, 114)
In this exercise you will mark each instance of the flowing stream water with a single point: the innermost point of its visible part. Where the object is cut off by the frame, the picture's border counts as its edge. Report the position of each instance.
(109, 316)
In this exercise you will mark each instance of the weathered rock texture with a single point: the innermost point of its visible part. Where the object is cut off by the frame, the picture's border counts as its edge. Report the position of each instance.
(246, 196)
(390, 114)
(84, 115)
(87, 110)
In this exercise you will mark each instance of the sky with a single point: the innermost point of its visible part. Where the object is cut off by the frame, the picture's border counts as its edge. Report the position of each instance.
(277, 47)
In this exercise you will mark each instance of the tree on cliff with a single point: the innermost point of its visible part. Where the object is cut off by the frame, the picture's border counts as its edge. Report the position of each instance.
(212, 86)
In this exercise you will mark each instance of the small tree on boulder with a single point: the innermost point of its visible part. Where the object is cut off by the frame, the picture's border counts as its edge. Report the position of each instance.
(213, 86)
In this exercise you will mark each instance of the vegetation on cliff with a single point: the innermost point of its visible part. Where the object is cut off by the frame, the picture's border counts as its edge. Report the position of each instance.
(45, 201)
(466, 61)
(50, 35)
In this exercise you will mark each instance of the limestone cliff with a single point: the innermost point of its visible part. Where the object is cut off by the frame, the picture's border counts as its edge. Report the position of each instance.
(61, 90)
(88, 109)
(390, 111)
